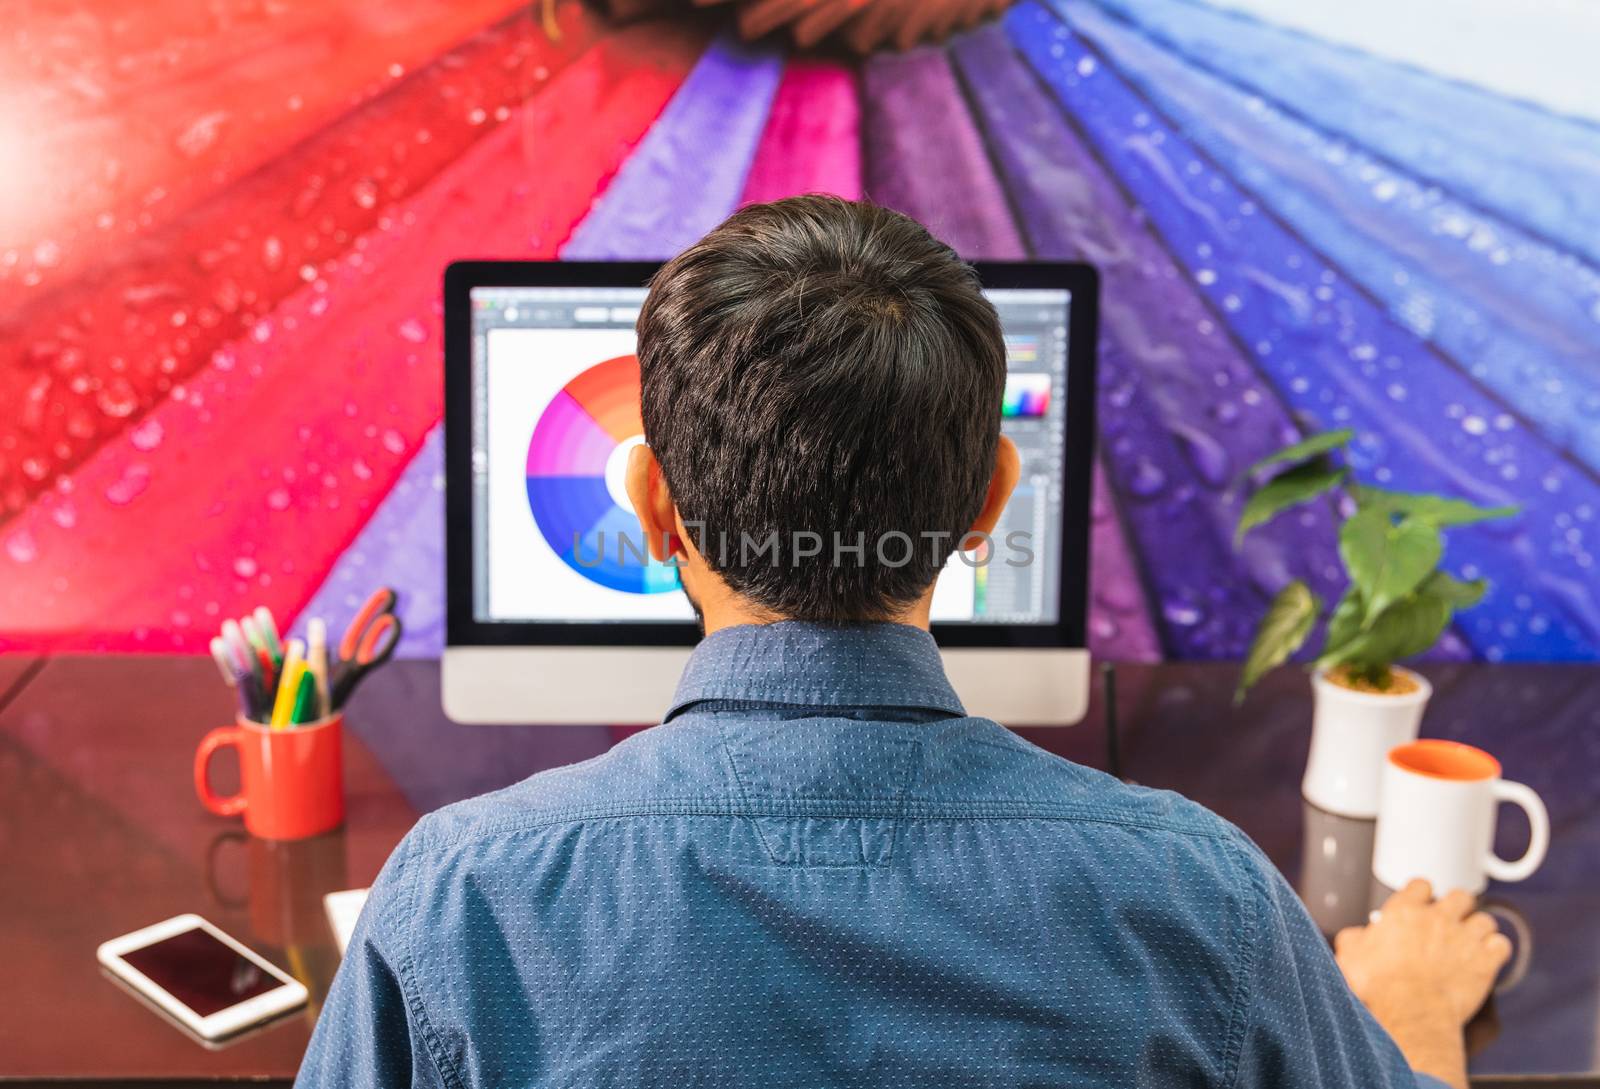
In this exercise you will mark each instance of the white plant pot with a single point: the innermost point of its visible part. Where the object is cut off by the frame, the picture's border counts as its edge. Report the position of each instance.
(1351, 734)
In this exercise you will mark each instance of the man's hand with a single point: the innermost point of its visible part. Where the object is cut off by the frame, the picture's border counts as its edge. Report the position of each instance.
(1423, 968)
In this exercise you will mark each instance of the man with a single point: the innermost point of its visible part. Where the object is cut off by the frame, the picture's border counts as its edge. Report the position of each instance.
(818, 871)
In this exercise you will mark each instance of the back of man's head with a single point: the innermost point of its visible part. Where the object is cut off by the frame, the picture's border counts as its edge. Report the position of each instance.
(820, 367)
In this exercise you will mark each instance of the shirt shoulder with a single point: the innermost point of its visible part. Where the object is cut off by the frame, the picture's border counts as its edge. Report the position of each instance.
(983, 767)
(662, 770)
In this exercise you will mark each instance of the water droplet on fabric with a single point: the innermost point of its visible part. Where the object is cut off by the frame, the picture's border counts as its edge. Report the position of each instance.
(21, 547)
(147, 436)
(1148, 480)
(1181, 613)
(117, 398)
(129, 486)
(201, 133)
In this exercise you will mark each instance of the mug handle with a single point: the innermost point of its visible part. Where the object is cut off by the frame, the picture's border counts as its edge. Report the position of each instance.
(224, 901)
(216, 739)
(1538, 839)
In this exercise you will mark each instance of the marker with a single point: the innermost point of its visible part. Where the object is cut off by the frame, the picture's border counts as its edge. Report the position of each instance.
(283, 700)
(243, 655)
(317, 660)
(225, 662)
(253, 698)
(252, 632)
(294, 663)
(264, 669)
(243, 681)
(269, 632)
(305, 698)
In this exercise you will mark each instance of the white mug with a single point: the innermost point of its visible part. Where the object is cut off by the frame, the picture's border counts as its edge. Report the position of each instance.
(1437, 802)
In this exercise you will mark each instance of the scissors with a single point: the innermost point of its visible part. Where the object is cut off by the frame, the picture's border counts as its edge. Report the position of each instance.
(368, 642)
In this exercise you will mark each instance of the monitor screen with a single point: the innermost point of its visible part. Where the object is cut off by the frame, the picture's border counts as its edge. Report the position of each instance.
(555, 411)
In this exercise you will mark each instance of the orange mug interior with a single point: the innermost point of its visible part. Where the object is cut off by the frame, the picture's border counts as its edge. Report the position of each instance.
(1445, 760)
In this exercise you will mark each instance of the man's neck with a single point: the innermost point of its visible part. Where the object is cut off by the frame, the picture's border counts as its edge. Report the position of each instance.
(724, 609)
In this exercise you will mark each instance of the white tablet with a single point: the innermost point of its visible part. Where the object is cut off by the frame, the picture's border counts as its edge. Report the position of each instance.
(343, 909)
(207, 981)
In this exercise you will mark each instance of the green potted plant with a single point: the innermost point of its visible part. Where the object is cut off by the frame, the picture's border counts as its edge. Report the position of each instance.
(1397, 604)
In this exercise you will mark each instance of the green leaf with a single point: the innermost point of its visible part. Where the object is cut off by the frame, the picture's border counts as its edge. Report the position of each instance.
(1345, 622)
(1433, 509)
(1281, 632)
(1459, 595)
(1306, 448)
(1288, 489)
(1406, 628)
(1387, 560)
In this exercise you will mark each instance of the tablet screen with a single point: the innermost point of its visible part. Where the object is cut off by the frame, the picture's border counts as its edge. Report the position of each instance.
(203, 973)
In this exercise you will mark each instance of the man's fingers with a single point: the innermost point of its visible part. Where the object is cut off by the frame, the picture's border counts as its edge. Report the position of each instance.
(1342, 940)
(1456, 904)
(1499, 947)
(1417, 891)
(1480, 924)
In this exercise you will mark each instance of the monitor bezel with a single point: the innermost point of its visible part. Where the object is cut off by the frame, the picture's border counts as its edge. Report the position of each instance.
(464, 630)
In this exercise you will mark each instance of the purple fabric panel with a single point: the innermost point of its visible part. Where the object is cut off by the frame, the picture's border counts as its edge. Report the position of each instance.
(401, 546)
(686, 175)
(924, 156)
(1182, 412)
(1120, 628)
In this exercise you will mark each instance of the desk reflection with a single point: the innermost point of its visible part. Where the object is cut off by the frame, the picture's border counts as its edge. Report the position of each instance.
(1336, 881)
(285, 881)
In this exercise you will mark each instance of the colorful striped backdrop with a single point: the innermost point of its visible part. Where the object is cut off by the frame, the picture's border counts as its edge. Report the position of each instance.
(222, 227)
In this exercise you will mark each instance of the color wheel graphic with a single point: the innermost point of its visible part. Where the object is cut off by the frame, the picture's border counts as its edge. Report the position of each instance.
(582, 437)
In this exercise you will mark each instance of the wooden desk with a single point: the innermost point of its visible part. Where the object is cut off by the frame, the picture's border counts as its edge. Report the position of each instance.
(100, 833)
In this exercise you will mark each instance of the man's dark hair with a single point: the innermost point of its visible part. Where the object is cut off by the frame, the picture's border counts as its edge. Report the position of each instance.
(816, 366)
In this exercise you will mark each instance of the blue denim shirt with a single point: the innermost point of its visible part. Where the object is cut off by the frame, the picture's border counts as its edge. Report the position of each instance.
(819, 871)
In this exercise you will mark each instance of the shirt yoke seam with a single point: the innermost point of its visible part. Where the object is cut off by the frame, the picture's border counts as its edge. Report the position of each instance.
(859, 809)
(738, 784)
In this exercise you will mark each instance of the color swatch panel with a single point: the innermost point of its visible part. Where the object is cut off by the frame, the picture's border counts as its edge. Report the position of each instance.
(574, 444)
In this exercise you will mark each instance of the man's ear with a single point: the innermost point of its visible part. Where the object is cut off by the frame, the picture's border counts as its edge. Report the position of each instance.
(652, 503)
(1007, 471)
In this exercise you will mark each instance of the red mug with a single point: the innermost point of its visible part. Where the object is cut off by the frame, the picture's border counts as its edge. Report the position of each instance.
(291, 781)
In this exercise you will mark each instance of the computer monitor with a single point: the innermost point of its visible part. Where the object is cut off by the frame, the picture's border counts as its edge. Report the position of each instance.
(554, 612)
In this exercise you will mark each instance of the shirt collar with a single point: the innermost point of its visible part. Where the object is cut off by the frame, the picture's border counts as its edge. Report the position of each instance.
(819, 665)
